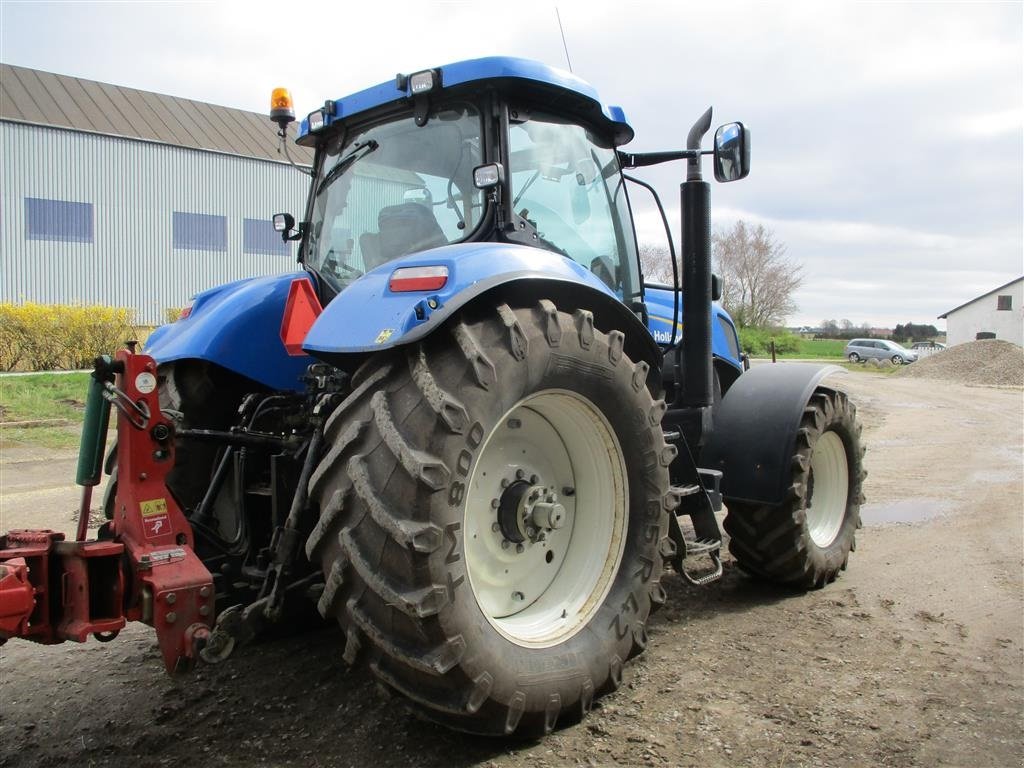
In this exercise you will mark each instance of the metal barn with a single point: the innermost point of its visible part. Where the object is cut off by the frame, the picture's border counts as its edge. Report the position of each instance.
(128, 198)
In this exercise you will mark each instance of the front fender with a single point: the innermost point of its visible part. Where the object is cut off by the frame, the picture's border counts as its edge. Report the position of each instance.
(755, 430)
(369, 317)
(237, 326)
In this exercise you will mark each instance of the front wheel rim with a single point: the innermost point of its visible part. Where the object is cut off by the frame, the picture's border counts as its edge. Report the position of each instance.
(541, 590)
(829, 489)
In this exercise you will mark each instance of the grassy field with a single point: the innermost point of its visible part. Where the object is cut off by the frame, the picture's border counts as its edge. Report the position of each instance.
(826, 349)
(55, 400)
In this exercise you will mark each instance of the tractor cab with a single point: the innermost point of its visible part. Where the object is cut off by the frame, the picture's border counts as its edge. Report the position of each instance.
(497, 150)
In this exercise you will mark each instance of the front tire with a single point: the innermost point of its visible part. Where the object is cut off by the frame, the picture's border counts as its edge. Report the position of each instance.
(493, 517)
(805, 541)
(897, 360)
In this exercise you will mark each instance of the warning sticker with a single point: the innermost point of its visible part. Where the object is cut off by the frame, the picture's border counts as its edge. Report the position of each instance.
(145, 382)
(153, 507)
(156, 526)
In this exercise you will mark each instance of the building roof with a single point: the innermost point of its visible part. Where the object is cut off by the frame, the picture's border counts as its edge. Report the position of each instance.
(60, 101)
(982, 296)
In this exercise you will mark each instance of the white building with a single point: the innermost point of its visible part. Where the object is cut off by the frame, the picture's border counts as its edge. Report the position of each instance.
(128, 198)
(1000, 312)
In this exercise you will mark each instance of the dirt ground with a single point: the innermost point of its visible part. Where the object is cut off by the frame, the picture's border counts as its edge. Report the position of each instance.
(915, 657)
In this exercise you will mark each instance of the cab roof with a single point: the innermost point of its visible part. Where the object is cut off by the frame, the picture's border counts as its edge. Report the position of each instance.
(559, 91)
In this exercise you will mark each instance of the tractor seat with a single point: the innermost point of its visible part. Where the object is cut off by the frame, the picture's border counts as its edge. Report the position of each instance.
(404, 229)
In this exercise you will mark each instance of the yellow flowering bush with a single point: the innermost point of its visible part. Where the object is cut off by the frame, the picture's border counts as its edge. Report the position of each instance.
(45, 337)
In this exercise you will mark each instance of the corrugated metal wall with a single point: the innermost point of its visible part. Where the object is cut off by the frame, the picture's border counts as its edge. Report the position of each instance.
(134, 187)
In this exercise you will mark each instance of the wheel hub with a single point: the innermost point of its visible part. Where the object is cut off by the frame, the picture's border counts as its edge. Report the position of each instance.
(527, 511)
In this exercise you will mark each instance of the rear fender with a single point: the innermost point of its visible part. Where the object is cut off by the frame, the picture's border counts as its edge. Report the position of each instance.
(237, 326)
(755, 430)
(368, 317)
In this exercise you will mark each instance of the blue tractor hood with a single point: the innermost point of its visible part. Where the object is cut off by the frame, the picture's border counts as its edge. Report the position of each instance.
(660, 301)
(237, 326)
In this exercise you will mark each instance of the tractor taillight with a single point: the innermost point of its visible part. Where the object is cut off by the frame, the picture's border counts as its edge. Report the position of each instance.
(407, 279)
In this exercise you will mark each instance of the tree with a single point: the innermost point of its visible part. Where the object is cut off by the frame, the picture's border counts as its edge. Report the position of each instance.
(656, 263)
(758, 279)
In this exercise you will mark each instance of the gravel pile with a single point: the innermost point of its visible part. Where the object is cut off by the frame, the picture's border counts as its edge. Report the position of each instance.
(990, 362)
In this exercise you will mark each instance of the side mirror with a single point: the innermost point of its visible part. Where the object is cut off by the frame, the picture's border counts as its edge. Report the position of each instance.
(732, 152)
(716, 287)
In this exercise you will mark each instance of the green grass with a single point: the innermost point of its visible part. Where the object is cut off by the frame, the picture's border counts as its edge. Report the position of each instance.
(43, 396)
(818, 348)
(40, 397)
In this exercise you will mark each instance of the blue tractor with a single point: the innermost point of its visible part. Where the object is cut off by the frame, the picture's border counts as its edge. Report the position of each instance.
(466, 428)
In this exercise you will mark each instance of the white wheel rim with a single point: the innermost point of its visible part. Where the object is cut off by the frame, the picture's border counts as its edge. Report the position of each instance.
(830, 485)
(547, 589)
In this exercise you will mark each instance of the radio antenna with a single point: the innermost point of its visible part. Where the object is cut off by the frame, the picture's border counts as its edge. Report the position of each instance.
(564, 46)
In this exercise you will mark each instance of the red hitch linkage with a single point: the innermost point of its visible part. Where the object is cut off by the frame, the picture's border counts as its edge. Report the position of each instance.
(52, 590)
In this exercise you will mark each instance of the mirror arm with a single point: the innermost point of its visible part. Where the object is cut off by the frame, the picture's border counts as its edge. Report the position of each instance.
(640, 159)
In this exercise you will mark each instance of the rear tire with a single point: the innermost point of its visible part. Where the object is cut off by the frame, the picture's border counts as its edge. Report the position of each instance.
(853, 357)
(805, 541)
(410, 536)
(897, 360)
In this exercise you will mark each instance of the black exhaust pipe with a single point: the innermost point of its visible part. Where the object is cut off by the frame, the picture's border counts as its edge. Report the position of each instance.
(696, 390)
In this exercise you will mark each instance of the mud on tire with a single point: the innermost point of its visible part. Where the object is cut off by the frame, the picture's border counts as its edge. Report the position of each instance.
(805, 541)
(405, 480)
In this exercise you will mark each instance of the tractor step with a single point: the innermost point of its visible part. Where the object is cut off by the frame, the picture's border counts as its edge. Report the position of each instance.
(706, 538)
(712, 550)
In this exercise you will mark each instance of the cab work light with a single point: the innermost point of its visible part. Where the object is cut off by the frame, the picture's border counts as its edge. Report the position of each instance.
(487, 176)
(407, 279)
(421, 82)
(317, 120)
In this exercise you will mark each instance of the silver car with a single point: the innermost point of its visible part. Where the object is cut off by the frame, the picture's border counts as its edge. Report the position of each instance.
(880, 349)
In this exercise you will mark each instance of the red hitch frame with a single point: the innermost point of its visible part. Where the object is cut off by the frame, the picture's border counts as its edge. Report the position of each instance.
(53, 590)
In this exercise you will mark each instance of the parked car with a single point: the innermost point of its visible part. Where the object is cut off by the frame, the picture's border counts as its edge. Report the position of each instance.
(935, 345)
(880, 349)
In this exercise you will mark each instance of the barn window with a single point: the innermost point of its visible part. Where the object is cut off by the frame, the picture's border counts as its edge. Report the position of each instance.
(59, 220)
(258, 236)
(200, 232)
(1004, 302)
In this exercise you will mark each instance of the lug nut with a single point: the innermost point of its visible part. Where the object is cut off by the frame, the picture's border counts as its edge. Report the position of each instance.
(517, 595)
(505, 543)
(495, 527)
(534, 479)
(520, 474)
(519, 549)
(495, 503)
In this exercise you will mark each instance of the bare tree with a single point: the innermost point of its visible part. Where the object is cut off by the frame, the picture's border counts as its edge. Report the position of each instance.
(758, 279)
(656, 263)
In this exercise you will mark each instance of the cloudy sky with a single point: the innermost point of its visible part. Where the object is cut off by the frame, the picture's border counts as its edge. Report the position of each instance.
(888, 138)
